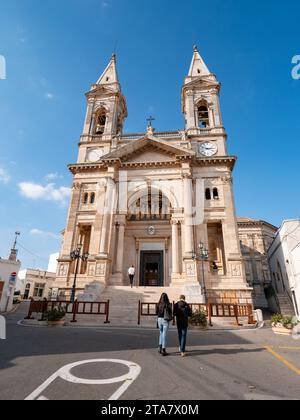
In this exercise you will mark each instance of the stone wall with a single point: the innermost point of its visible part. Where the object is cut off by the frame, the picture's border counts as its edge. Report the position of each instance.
(235, 297)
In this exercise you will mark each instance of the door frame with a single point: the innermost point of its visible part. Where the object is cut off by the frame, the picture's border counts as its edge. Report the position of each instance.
(161, 267)
(2, 286)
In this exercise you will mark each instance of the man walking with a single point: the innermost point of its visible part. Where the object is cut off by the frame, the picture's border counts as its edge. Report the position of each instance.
(131, 274)
(182, 312)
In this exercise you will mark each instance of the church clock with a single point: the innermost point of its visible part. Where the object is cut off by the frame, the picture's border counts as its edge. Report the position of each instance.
(208, 149)
(94, 155)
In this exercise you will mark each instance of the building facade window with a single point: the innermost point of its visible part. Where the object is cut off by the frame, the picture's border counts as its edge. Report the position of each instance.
(85, 198)
(208, 194)
(39, 290)
(216, 194)
(100, 122)
(92, 199)
(203, 116)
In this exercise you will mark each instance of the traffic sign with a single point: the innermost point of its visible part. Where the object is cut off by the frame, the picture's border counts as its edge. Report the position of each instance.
(12, 279)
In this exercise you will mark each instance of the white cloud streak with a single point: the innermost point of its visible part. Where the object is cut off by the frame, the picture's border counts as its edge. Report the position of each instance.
(4, 176)
(53, 176)
(38, 232)
(49, 96)
(47, 192)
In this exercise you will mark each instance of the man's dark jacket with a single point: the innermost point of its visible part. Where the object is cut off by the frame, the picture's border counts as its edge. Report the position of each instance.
(182, 312)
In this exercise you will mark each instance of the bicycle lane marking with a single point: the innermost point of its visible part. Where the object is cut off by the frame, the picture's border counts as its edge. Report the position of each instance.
(65, 374)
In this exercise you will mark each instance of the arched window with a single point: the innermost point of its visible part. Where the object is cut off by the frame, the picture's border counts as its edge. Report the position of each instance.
(151, 205)
(216, 194)
(100, 122)
(203, 116)
(85, 198)
(208, 194)
(92, 200)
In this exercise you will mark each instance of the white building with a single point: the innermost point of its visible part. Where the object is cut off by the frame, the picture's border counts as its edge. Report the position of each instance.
(53, 263)
(37, 283)
(7, 288)
(284, 260)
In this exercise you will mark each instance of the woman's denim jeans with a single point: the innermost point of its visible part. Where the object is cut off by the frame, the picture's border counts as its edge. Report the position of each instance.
(163, 329)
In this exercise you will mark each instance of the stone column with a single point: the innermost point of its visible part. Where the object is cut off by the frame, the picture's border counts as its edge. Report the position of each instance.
(188, 215)
(211, 117)
(190, 107)
(107, 217)
(175, 252)
(71, 230)
(120, 251)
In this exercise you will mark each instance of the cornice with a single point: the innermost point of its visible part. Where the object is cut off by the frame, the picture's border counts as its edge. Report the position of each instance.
(229, 161)
(86, 167)
(255, 223)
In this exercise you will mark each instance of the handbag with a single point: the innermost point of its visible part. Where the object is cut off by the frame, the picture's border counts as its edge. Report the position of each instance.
(168, 315)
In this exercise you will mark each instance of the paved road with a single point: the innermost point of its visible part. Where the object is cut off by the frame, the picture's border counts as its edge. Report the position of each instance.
(221, 365)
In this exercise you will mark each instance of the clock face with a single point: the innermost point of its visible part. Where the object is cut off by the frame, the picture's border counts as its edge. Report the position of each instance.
(94, 155)
(208, 149)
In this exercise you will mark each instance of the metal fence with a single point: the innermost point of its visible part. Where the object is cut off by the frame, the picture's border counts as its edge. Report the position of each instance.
(211, 310)
(74, 309)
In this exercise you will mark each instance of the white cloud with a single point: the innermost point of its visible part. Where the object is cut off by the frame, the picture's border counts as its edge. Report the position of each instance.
(4, 176)
(53, 176)
(48, 192)
(49, 96)
(38, 232)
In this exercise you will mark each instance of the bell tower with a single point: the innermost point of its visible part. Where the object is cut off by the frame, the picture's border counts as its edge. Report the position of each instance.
(106, 107)
(200, 98)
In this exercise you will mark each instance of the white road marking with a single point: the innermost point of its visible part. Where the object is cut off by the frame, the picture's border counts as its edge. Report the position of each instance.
(65, 374)
(263, 397)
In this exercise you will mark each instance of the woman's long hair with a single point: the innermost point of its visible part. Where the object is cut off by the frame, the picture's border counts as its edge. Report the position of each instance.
(163, 302)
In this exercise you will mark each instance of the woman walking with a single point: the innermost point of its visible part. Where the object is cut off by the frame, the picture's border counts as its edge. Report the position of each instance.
(164, 314)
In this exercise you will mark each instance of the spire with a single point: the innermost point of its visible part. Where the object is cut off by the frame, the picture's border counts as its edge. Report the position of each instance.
(14, 251)
(110, 74)
(198, 67)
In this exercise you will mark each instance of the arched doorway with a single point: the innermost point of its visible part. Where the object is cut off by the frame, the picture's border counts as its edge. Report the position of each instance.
(148, 222)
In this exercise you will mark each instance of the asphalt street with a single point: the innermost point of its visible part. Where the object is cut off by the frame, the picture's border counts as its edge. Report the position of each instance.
(221, 365)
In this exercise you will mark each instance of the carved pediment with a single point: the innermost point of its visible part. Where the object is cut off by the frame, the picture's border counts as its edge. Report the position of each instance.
(150, 154)
(148, 150)
(203, 82)
(100, 90)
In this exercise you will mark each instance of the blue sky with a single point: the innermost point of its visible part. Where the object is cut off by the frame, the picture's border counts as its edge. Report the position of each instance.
(55, 49)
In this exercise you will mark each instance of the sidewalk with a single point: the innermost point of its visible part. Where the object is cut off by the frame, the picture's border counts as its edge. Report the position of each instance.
(219, 324)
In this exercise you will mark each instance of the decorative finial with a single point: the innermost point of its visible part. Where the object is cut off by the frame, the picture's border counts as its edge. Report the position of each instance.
(150, 129)
(150, 120)
(195, 48)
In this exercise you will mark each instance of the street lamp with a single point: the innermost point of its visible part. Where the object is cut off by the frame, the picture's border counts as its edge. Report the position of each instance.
(203, 256)
(76, 256)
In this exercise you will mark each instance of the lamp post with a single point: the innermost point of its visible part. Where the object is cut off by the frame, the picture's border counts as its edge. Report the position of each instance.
(76, 256)
(203, 256)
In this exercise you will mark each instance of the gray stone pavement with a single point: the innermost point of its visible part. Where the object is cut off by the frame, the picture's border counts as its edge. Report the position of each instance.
(227, 365)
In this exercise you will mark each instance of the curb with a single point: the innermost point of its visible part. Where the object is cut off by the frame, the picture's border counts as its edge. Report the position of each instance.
(41, 324)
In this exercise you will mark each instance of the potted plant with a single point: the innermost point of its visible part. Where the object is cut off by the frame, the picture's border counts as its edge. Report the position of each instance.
(282, 325)
(56, 317)
(199, 320)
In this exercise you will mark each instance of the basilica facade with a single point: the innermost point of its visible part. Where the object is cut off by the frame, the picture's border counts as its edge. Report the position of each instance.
(159, 201)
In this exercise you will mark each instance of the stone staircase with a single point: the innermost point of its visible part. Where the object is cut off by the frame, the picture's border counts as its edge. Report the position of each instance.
(124, 303)
(285, 304)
